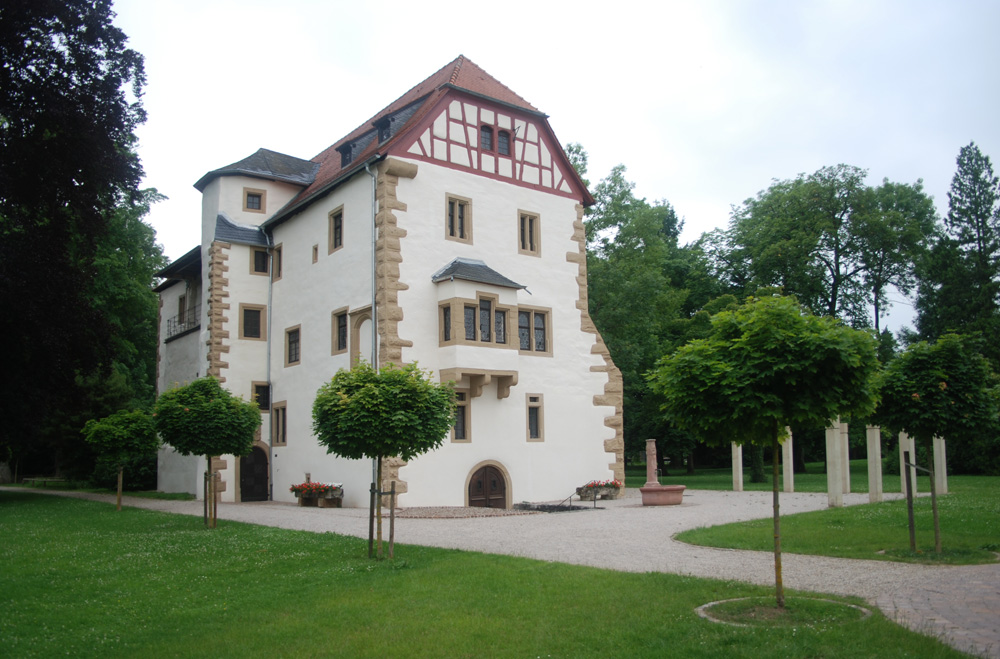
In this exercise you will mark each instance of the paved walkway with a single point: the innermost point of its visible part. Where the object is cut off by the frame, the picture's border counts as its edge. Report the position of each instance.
(959, 604)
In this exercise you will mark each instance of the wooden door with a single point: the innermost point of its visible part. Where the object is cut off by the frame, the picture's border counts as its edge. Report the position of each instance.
(253, 476)
(488, 489)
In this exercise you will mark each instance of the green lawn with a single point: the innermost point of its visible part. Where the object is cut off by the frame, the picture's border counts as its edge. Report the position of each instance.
(812, 481)
(969, 515)
(80, 579)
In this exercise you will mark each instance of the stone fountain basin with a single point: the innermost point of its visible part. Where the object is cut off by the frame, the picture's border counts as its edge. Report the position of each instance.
(662, 495)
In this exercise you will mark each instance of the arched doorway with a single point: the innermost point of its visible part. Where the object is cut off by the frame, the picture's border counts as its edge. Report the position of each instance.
(488, 488)
(253, 475)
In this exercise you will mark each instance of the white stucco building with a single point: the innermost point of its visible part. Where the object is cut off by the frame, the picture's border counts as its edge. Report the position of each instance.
(446, 231)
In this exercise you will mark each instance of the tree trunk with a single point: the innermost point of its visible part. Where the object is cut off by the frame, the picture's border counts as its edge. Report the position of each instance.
(120, 469)
(798, 456)
(779, 588)
(690, 465)
(378, 513)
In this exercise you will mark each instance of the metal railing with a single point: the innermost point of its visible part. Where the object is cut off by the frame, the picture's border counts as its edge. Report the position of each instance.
(183, 322)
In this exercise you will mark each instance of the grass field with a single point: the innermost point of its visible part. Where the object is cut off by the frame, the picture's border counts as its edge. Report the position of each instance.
(80, 579)
(969, 516)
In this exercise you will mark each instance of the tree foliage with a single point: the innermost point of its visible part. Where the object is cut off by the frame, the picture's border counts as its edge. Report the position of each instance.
(377, 413)
(123, 438)
(203, 418)
(70, 101)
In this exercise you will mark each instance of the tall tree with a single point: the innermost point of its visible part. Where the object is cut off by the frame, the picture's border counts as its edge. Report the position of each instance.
(960, 278)
(70, 101)
(768, 365)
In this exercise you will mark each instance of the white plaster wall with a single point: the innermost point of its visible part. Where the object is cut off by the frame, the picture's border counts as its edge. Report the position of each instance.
(306, 295)
(179, 473)
(573, 450)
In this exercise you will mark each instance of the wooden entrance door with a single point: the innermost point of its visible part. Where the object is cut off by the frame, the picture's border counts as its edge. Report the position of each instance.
(253, 476)
(488, 489)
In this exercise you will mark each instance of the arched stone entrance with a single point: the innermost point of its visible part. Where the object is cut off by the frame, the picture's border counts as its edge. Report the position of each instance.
(253, 476)
(488, 487)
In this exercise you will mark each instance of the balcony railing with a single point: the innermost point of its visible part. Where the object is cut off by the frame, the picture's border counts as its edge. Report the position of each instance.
(183, 322)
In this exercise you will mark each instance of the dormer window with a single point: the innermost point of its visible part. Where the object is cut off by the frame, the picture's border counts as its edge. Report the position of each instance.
(346, 155)
(503, 143)
(384, 131)
(486, 138)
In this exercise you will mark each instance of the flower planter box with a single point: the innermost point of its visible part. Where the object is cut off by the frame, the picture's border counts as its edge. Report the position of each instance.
(330, 500)
(592, 493)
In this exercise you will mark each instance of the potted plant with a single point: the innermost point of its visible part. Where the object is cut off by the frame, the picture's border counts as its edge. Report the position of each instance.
(607, 489)
(323, 495)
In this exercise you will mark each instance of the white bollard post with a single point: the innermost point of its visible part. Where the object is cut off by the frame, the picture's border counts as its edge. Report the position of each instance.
(873, 435)
(845, 457)
(737, 467)
(834, 481)
(906, 443)
(788, 463)
(940, 467)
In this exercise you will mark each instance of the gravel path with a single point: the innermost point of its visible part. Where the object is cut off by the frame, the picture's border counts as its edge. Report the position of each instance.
(959, 604)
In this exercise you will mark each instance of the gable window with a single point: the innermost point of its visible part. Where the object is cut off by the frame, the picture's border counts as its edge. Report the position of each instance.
(486, 138)
(460, 431)
(279, 424)
(262, 395)
(536, 427)
(336, 230)
(293, 345)
(459, 220)
(254, 201)
(503, 143)
(253, 321)
(533, 331)
(258, 261)
(339, 331)
(529, 234)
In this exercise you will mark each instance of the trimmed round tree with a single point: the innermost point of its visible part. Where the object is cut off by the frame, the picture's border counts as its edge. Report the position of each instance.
(379, 413)
(942, 389)
(122, 437)
(203, 418)
(767, 365)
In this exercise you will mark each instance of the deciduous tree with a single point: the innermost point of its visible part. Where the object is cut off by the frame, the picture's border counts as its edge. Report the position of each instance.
(767, 365)
(121, 438)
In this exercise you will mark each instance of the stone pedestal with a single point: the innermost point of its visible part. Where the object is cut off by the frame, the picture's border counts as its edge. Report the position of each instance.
(737, 467)
(332, 500)
(906, 443)
(654, 494)
(940, 467)
(651, 478)
(834, 479)
(874, 436)
(788, 463)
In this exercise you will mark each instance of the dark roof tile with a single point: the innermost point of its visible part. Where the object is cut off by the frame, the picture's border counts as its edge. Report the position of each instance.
(473, 270)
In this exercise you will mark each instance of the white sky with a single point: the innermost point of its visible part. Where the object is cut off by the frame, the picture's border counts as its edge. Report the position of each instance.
(705, 102)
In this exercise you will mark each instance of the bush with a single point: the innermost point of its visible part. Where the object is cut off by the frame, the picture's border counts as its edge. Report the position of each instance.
(140, 473)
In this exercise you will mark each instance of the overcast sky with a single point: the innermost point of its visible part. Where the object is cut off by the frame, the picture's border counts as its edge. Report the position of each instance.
(704, 102)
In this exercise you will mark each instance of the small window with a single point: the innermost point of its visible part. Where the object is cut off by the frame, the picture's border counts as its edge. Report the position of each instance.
(262, 395)
(315, 253)
(470, 323)
(446, 323)
(336, 230)
(259, 261)
(536, 418)
(460, 431)
(486, 138)
(277, 262)
(346, 155)
(503, 143)
(533, 331)
(254, 201)
(339, 331)
(253, 322)
(485, 320)
(293, 346)
(459, 222)
(279, 424)
(182, 309)
(384, 131)
(529, 234)
(500, 325)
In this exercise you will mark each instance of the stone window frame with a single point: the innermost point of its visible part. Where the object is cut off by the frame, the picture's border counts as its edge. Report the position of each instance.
(315, 253)
(536, 402)
(332, 234)
(335, 316)
(244, 307)
(279, 423)
(463, 401)
(456, 308)
(262, 200)
(452, 228)
(254, 251)
(288, 345)
(547, 313)
(255, 391)
(532, 230)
